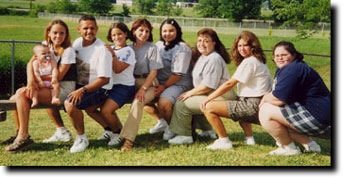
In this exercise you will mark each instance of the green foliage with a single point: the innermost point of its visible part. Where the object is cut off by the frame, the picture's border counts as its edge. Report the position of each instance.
(304, 14)
(99, 7)
(62, 6)
(145, 7)
(235, 10)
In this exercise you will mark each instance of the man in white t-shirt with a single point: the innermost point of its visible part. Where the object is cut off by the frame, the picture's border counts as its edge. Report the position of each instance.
(94, 65)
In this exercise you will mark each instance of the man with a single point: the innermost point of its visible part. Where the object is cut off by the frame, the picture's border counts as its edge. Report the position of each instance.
(94, 64)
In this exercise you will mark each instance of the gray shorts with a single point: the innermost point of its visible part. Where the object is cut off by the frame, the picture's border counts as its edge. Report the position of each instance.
(244, 109)
(65, 88)
(174, 91)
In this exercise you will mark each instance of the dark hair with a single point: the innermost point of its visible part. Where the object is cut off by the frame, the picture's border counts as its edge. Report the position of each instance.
(219, 47)
(178, 33)
(87, 18)
(289, 46)
(253, 41)
(67, 41)
(119, 25)
(138, 23)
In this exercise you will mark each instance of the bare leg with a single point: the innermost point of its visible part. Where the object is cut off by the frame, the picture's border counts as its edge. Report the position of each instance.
(96, 115)
(215, 110)
(108, 111)
(55, 117)
(76, 116)
(165, 108)
(247, 128)
(152, 110)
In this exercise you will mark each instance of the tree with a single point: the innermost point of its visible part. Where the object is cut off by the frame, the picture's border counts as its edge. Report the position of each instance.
(96, 6)
(235, 10)
(304, 14)
(145, 6)
(164, 7)
(61, 6)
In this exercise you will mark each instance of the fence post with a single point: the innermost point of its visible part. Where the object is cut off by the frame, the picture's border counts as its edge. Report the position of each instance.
(12, 67)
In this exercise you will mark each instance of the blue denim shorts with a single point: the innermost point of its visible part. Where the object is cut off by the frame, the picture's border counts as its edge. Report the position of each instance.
(122, 94)
(94, 98)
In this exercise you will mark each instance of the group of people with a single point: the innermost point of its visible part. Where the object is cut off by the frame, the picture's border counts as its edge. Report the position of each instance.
(184, 89)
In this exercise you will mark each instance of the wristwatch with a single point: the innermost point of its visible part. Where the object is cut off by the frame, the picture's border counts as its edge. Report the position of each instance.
(85, 90)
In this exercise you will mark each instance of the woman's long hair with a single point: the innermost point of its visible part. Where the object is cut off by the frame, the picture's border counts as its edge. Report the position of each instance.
(138, 23)
(178, 38)
(67, 41)
(253, 41)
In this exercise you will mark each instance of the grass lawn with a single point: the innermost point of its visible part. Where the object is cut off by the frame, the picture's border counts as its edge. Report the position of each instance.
(151, 150)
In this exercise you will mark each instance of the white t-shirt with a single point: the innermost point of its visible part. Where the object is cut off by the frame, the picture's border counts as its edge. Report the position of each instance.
(254, 78)
(93, 61)
(126, 77)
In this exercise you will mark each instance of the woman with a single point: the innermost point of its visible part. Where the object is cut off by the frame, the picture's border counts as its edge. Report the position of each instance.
(209, 72)
(57, 37)
(253, 80)
(174, 78)
(146, 68)
(299, 105)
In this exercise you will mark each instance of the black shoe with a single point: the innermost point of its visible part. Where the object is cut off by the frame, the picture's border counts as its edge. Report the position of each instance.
(8, 141)
(19, 145)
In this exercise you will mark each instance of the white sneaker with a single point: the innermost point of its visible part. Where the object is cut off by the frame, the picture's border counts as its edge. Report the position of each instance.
(285, 151)
(106, 135)
(168, 134)
(180, 139)
(313, 148)
(250, 141)
(59, 137)
(79, 145)
(115, 139)
(220, 144)
(209, 133)
(159, 127)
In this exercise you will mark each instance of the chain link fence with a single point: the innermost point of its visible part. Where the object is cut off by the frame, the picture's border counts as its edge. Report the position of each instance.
(14, 56)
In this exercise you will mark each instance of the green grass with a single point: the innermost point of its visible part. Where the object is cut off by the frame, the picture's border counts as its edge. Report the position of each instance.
(149, 149)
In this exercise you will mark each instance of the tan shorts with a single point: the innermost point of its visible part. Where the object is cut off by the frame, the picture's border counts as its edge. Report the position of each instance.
(65, 88)
(244, 109)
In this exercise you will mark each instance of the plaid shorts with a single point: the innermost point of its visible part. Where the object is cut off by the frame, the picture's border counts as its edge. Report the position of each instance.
(244, 109)
(300, 118)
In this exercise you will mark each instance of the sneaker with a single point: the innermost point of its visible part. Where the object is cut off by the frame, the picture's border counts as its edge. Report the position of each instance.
(220, 144)
(180, 139)
(79, 145)
(313, 148)
(115, 139)
(159, 127)
(250, 141)
(285, 151)
(9, 140)
(106, 135)
(168, 134)
(19, 145)
(209, 133)
(59, 137)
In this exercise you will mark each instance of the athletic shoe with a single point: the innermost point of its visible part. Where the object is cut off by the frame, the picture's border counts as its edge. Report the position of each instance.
(115, 139)
(220, 144)
(19, 145)
(159, 127)
(209, 133)
(250, 141)
(79, 145)
(180, 139)
(168, 134)
(106, 135)
(59, 137)
(313, 148)
(285, 151)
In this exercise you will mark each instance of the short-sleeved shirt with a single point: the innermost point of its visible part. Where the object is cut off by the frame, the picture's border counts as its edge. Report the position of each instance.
(126, 77)
(147, 59)
(210, 71)
(93, 61)
(177, 61)
(254, 78)
(297, 82)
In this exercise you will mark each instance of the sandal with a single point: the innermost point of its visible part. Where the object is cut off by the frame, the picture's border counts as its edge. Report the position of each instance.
(9, 140)
(19, 145)
(127, 146)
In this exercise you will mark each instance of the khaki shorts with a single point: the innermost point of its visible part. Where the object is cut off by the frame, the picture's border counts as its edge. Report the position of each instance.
(66, 87)
(244, 109)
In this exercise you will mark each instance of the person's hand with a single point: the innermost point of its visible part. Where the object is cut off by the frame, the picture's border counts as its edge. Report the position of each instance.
(184, 96)
(30, 88)
(204, 105)
(76, 96)
(140, 95)
(159, 90)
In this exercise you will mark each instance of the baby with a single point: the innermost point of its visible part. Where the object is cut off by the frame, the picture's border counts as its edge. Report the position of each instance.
(44, 65)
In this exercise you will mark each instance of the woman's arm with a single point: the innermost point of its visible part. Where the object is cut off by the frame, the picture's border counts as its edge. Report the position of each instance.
(171, 80)
(201, 89)
(270, 98)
